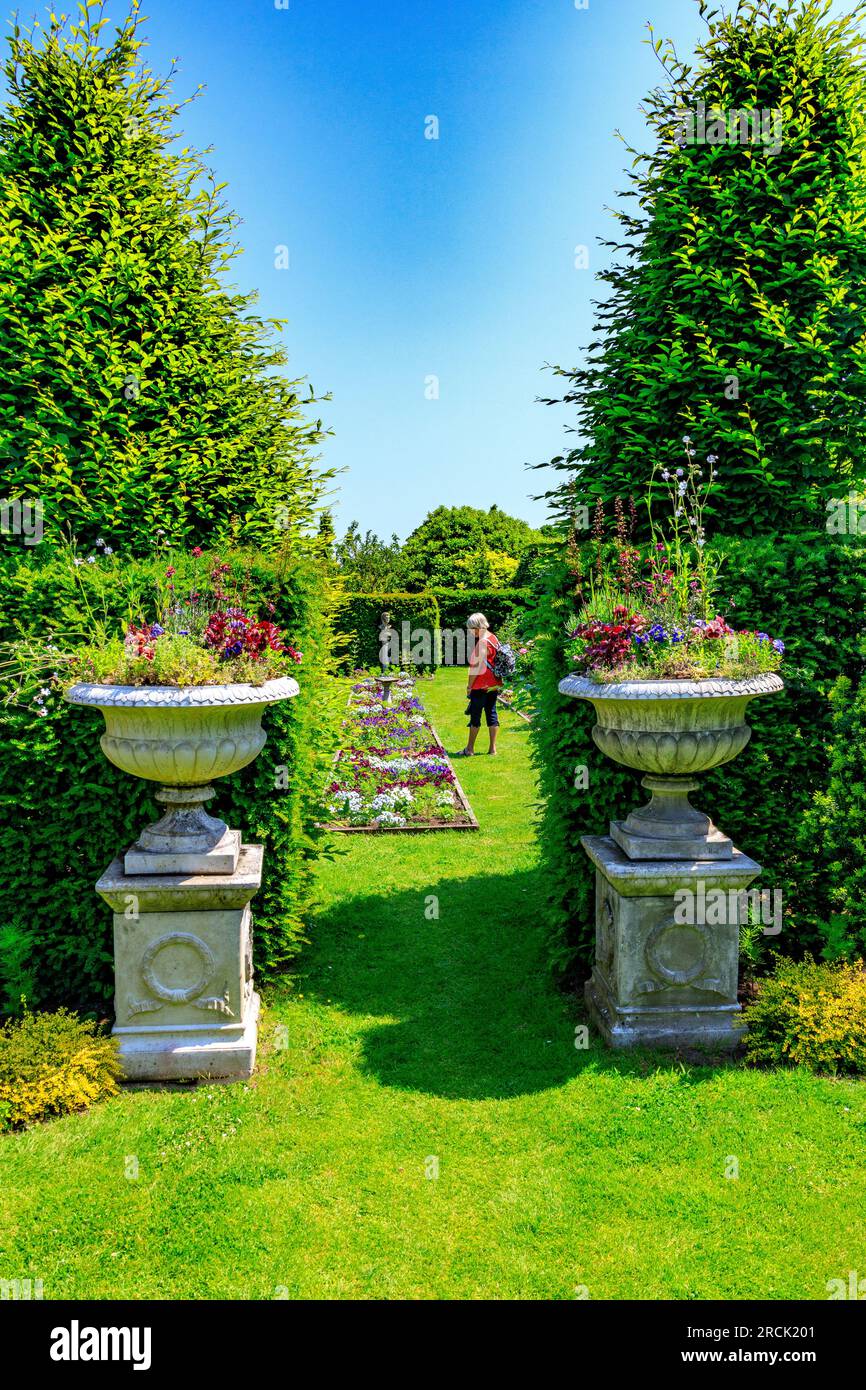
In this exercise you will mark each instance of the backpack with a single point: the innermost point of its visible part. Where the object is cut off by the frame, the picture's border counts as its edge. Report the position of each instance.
(503, 663)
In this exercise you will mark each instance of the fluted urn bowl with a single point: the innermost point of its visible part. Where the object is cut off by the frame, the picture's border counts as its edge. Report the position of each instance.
(183, 737)
(671, 730)
(671, 727)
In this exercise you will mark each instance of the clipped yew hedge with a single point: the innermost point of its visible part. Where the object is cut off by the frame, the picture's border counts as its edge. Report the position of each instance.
(357, 618)
(65, 810)
(497, 605)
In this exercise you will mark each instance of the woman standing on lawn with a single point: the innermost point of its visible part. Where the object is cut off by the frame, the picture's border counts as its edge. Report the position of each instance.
(482, 685)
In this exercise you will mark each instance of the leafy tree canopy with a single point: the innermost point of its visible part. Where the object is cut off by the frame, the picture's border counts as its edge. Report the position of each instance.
(465, 547)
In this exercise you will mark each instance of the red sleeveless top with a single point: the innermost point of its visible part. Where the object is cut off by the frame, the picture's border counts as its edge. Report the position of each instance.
(486, 680)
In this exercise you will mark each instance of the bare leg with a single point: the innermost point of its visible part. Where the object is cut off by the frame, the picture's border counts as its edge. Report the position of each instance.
(493, 731)
(473, 734)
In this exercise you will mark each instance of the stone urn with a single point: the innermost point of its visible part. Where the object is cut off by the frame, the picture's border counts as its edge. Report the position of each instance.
(671, 731)
(183, 737)
(663, 976)
(185, 1006)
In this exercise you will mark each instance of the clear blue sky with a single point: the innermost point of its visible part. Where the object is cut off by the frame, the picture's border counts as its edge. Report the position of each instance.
(410, 257)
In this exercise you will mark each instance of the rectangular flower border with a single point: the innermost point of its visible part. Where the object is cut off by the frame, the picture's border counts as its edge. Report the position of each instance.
(424, 827)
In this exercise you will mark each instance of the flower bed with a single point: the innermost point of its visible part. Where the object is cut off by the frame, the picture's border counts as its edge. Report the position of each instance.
(392, 773)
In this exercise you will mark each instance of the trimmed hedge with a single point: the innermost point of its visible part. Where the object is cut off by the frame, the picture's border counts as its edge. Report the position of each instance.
(357, 616)
(498, 606)
(809, 590)
(65, 810)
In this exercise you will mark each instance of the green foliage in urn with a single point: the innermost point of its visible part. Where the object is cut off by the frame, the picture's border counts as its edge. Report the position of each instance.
(137, 384)
(735, 310)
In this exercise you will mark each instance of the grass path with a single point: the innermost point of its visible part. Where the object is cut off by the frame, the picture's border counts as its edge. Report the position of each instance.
(410, 1044)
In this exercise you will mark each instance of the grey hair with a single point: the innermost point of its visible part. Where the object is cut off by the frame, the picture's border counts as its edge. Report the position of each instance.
(477, 620)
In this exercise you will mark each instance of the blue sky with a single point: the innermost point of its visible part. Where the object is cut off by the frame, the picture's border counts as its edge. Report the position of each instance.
(412, 258)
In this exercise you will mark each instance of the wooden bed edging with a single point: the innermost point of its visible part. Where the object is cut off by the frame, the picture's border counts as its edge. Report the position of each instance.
(471, 824)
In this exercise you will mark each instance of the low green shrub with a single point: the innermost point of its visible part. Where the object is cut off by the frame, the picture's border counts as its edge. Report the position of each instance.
(357, 618)
(65, 810)
(53, 1064)
(810, 1015)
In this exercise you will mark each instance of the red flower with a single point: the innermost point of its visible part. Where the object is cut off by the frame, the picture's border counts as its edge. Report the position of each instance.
(196, 551)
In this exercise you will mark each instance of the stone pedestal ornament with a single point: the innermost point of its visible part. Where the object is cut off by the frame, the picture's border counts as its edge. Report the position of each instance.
(387, 684)
(659, 980)
(185, 1005)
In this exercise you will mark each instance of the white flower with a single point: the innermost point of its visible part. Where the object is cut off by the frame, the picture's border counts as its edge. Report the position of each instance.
(712, 458)
(91, 559)
(687, 439)
(682, 488)
(665, 474)
(700, 541)
(107, 550)
(679, 472)
(76, 561)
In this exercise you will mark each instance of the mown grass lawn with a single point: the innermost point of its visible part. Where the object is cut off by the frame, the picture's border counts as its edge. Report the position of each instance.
(417, 1045)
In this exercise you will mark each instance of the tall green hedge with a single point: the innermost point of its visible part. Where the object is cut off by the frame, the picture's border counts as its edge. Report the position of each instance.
(811, 591)
(139, 389)
(357, 618)
(735, 309)
(65, 810)
(498, 606)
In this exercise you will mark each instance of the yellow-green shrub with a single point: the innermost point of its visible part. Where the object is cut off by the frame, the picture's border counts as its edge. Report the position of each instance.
(811, 1015)
(52, 1064)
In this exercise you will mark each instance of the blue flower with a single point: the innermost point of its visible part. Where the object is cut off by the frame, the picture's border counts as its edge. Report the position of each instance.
(156, 630)
(657, 633)
(763, 637)
(779, 645)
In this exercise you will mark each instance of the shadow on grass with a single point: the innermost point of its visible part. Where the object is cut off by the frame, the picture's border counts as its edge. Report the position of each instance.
(475, 1014)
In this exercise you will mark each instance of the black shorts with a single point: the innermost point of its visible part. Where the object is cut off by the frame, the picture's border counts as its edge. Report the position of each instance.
(483, 700)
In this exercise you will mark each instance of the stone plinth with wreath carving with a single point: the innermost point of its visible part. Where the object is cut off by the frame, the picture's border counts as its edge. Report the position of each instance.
(185, 1005)
(666, 970)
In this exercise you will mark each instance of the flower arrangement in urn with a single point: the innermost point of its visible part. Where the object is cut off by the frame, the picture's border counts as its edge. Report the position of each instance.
(203, 636)
(662, 620)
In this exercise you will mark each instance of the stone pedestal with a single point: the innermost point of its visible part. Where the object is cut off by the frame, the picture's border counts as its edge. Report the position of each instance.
(666, 965)
(184, 1003)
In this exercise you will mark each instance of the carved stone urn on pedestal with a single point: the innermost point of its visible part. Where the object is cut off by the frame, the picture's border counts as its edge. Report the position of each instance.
(662, 975)
(184, 999)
